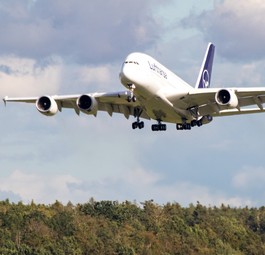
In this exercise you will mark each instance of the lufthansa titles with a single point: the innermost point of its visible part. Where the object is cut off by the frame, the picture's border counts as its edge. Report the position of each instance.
(157, 69)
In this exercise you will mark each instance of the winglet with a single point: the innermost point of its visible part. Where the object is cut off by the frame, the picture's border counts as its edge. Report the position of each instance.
(5, 99)
(204, 78)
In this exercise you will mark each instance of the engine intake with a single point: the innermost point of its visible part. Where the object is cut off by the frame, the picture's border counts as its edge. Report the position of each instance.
(47, 105)
(87, 104)
(226, 98)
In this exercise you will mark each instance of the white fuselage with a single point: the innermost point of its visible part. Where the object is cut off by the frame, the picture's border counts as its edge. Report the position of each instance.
(154, 85)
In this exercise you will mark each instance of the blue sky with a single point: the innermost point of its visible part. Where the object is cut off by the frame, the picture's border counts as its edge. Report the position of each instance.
(58, 47)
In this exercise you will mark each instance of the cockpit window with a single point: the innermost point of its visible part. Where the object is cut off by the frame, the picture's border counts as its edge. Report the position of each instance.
(131, 62)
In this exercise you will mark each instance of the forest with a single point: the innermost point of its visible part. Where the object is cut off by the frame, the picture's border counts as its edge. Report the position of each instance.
(112, 227)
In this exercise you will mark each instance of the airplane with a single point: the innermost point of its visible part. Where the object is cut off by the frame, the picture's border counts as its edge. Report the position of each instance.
(154, 92)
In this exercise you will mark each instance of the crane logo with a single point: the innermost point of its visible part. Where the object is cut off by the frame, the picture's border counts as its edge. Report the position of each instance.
(206, 78)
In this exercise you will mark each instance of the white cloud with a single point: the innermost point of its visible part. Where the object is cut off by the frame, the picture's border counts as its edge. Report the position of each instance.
(137, 184)
(40, 188)
(236, 27)
(98, 78)
(75, 28)
(250, 178)
(26, 77)
(99, 74)
(141, 177)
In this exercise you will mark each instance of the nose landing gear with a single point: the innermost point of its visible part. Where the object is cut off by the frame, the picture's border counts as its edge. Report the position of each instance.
(132, 97)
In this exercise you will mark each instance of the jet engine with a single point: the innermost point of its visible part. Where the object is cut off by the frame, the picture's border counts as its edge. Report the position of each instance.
(226, 98)
(87, 104)
(47, 106)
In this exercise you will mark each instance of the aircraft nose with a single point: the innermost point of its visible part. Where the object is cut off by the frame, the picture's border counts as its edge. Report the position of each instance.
(125, 75)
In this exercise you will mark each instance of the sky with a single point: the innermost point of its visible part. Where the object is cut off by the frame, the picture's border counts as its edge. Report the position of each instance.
(74, 47)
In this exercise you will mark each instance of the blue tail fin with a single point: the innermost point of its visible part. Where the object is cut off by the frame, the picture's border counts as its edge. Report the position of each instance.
(204, 78)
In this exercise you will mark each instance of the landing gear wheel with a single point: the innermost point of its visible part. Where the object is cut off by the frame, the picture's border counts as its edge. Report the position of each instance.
(159, 127)
(185, 126)
(134, 125)
(154, 127)
(162, 127)
(131, 98)
(193, 123)
(179, 126)
(199, 123)
(141, 125)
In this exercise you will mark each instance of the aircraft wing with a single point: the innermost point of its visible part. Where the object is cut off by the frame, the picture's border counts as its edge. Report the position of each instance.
(242, 101)
(114, 102)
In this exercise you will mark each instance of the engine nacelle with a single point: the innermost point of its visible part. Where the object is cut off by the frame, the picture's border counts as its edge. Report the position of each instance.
(47, 105)
(87, 104)
(226, 98)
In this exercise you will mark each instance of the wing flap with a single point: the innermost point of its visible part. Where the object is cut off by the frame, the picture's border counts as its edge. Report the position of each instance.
(232, 112)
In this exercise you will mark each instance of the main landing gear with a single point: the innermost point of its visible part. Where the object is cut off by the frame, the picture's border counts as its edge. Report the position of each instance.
(159, 127)
(187, 126)
(138, 124)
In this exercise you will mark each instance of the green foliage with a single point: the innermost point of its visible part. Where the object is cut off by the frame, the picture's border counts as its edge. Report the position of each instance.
(110, 227)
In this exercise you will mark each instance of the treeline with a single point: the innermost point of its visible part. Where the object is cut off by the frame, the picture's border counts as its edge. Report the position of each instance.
(110, 227)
